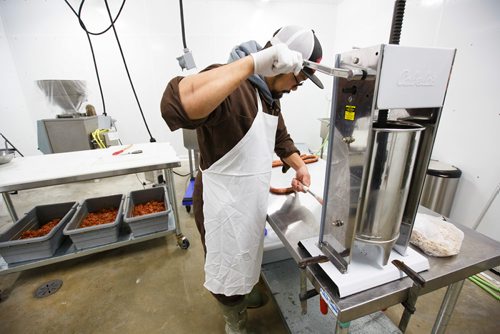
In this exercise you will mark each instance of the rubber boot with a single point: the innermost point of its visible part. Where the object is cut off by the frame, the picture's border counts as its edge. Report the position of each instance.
(255, 298)
(235, 317)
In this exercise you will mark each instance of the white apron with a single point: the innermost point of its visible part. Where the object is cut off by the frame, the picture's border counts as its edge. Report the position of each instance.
(235, 194)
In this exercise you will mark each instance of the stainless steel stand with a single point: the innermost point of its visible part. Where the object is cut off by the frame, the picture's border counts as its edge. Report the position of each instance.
(447, 307)
(182, 241)
(10, 206)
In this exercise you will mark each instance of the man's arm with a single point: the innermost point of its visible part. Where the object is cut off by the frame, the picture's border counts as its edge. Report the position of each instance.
(201, 93)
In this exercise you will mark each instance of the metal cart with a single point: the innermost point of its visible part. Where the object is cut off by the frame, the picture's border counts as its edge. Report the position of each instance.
(54, 169)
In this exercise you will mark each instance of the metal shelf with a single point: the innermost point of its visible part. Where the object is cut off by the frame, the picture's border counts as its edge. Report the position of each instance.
(67, 250)
(61, 168)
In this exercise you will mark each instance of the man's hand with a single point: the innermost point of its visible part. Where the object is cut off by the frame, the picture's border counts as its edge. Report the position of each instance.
(302, 177)
(277, 59)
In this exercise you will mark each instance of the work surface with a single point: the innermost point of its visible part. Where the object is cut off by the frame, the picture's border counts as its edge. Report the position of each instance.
(297, 217)
(51, 169)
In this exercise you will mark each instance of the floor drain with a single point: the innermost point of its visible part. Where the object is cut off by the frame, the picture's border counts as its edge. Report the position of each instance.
(48, 288)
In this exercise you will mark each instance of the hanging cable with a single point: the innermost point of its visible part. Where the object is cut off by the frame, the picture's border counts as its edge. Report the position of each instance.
(8, 142)
(112, 25)
(151, 139)
(182, 25)
(186, 60)
(179, 174)
(92, 51)
(105, 30)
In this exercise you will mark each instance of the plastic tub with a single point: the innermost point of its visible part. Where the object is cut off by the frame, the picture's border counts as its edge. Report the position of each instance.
(149, 223)
(15, 250)
(93, 236)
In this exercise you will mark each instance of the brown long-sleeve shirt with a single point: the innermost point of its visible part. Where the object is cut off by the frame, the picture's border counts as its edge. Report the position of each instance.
(219, 132)
(226, 125)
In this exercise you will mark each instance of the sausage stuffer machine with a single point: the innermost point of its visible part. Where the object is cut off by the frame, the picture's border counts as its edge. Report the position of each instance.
(386, 106)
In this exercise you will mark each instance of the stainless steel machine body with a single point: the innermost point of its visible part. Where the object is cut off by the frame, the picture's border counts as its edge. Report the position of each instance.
(382, 130)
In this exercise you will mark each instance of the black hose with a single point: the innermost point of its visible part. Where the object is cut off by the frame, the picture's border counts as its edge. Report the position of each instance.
(6, 140)
(101, 32)
(97, 75)
(112, 25)
(397, 21)
(182, 25)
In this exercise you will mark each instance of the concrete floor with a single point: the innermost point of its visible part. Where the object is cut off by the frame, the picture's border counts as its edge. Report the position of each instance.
(157, 287)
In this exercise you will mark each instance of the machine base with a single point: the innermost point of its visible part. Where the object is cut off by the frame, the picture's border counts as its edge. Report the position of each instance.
(365, 271)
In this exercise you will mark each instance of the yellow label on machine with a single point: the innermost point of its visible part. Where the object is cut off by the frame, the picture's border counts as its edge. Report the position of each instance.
(350, 112)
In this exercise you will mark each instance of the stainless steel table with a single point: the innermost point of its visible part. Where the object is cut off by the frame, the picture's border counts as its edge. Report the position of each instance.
(61, 168)
(296, 217)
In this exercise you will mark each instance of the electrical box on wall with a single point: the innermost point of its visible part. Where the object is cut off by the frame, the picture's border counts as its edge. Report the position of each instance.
(186, 61)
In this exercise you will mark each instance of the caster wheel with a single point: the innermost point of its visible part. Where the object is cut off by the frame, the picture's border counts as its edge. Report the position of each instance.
(183, 243)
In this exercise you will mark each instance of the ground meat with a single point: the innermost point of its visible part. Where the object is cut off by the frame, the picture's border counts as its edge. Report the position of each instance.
(103, 216)
(43, 230)
(148, 207)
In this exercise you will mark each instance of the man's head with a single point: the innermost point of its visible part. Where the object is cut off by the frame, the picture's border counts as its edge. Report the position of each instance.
(306, 43)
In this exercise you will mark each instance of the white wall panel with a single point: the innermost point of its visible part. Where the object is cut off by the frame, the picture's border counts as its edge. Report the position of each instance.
(46, 42)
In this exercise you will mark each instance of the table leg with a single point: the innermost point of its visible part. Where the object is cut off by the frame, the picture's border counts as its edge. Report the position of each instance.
(342, 327)
(447, 307)
(303, 290)
(182, 241)
(10, 206)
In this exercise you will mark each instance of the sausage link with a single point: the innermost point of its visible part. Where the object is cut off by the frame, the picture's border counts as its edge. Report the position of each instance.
(281, 191)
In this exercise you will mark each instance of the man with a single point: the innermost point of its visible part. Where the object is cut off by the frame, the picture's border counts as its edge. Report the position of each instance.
(236, 112)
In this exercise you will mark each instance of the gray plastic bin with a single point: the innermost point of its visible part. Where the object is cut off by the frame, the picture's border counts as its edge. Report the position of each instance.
(15, 250)
(148, 223)
(440, 186)
(93, 236)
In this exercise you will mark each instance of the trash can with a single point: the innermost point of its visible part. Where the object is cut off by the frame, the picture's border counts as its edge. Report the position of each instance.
(440, 187)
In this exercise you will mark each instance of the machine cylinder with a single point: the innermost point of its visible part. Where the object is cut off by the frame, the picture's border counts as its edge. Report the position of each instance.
(391, 158)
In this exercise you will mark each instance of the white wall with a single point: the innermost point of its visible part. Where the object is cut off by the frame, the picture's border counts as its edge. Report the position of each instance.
(43, 40)
(469, 131)
(14, 116)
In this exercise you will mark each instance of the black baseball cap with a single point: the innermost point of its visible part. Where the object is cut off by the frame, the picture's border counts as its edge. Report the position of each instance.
(304, 41)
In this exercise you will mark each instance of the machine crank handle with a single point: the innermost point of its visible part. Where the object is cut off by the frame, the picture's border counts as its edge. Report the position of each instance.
(416, 278)
(413, 292)
(349, 74)
(307, 261)
(308, 294)
(304, 293)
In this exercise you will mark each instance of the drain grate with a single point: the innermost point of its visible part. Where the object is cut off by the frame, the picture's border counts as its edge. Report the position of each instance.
(48, 288)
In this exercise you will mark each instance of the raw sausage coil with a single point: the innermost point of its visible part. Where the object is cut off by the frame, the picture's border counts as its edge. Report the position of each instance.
(307, 158)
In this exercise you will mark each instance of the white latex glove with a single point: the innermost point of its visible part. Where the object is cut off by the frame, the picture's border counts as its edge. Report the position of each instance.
(277, 59)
